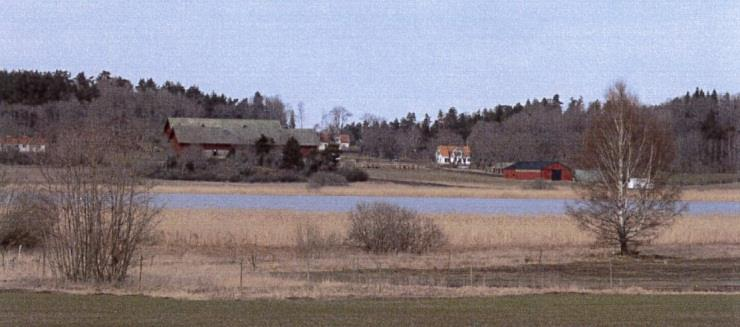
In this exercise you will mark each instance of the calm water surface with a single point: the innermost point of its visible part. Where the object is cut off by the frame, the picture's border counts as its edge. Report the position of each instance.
(428, 205)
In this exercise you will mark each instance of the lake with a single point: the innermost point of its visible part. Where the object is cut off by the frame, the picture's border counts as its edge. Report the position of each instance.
(427, 205)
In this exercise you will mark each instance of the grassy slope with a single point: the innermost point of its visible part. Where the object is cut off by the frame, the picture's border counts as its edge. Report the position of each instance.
(18, 308)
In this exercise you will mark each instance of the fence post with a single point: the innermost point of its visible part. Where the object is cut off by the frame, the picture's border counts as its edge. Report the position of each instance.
(471, 275)
(542, 270)
(241, 273)
(611, 274)
(141, 266)
(354, 268)
(43, 263)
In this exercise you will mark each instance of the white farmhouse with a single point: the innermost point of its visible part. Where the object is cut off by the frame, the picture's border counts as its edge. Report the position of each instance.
(23, 144)
(453, 155)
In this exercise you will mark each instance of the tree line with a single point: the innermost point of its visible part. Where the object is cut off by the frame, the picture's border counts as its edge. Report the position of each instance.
(49, 104)
(704, 125)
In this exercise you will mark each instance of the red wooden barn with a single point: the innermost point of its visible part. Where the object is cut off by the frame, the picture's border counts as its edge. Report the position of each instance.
(545, 170)
(218, 138)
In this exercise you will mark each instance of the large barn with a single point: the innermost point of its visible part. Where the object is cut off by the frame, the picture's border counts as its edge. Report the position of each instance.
(545, 170)
(219, 137)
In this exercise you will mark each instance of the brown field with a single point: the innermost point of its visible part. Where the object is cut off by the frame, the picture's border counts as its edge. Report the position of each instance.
(204, 254)
(507, 190)
(412, 183)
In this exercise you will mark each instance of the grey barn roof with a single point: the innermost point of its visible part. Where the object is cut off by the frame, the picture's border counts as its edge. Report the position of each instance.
(237, 131)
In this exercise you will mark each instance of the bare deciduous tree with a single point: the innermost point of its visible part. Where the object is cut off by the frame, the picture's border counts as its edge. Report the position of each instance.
(626, 141)
(101, 210)
(301, 111)
(336, 118)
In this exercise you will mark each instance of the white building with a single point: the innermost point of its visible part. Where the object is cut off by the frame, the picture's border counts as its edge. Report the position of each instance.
(23, 144)
(453, 155)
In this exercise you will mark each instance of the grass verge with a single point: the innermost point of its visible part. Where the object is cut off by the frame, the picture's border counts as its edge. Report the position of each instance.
(52, 309)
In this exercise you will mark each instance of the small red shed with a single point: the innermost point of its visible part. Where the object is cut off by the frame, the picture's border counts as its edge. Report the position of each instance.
(545, 170)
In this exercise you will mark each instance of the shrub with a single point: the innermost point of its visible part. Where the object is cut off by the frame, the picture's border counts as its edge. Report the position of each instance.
(353, 174)
(381, 227)
(25, 220)
(264, 175)
(322, 178)
(539, 184)
(14, 157)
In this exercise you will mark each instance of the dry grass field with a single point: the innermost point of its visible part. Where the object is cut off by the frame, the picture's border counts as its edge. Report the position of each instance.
(411, 183)
(230, 254)
(506, 190)
(247, 254)
(277, 228)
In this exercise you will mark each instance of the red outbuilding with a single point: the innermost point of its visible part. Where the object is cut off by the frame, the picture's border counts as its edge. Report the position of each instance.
(545, 170)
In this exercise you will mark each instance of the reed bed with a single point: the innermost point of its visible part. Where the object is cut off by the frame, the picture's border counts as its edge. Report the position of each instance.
(503, 190)
(364, 189)
(277, 228)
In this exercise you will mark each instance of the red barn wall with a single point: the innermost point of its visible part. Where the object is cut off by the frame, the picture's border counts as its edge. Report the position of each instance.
(565, 173)
(546, 173)
(307, 150)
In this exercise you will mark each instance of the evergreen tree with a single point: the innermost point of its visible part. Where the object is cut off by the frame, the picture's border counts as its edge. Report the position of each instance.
(426, 128)
(86, 88)
(262, 147)
(292, 158)
(291, 121)
(330, 157)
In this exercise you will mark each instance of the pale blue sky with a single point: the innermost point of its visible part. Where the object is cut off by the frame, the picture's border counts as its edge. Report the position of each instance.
(387, 57)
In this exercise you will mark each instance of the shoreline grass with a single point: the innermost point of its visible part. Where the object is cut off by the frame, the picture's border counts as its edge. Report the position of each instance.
(457, 185)
(371, 189)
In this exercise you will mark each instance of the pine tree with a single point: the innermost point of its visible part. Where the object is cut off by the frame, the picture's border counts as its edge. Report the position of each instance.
(262, 147)
(292, 158)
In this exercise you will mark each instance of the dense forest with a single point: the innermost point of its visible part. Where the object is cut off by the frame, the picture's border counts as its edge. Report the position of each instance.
(705, 126)
(49, 103)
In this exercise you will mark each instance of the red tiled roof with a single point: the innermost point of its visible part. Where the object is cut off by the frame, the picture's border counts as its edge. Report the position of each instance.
(445, 150)
(325, 137)
(22, 140)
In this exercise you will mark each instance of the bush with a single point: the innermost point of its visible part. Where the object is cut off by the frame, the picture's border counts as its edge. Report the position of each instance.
(222, 170)
(381, 228)
(14, 157)
(539, 184)
(274, 176)
(322, 178)
(25, 221)
(353, 174)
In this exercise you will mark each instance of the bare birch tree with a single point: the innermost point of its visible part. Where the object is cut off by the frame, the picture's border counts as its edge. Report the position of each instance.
(336, 119)
(301, 111)
(101, 208)
(625, 141)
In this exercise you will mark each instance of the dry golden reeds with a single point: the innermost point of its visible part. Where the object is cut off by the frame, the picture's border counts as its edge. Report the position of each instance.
(277, 228)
